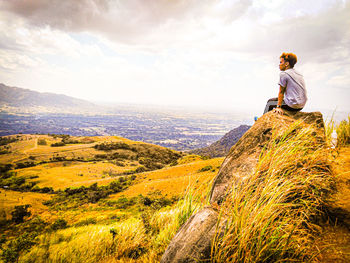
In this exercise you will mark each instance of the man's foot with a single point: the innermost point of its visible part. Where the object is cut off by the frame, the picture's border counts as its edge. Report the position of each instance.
(278, 111)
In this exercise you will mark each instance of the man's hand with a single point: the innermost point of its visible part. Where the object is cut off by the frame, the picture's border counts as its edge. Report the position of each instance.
(278, 111)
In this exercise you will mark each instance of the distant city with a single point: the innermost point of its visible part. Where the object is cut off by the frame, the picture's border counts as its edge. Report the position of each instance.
(178, 132)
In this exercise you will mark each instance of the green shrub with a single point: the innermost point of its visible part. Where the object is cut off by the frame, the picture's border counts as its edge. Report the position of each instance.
(24, 165)
(59, 224)
(22, 243)
(7, 140)
(42, 141)
(34, 226)
(205, 168)
(113, 146)
(68, 140)
(4, 151)
(20, 212)
(58, 144)
(74, 197)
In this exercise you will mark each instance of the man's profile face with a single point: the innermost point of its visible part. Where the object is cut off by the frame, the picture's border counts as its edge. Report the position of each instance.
(283, 64)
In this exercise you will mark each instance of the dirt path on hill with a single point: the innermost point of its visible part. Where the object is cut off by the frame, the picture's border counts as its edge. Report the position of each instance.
(33, 148)
(334, 241)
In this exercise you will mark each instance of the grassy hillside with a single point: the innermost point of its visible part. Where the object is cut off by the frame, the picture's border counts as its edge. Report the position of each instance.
(63, 161)
(223, 146)
(80, 186)
(108, 199)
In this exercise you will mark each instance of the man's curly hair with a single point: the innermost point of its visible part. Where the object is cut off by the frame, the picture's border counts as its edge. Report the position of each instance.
(290, 57)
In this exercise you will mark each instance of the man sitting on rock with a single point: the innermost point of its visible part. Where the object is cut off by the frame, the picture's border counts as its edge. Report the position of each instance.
(292, 95)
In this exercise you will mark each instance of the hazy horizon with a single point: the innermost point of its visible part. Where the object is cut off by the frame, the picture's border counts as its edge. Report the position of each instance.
(245, 115)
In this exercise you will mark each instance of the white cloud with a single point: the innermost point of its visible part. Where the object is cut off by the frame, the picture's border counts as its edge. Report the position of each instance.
(180, 52)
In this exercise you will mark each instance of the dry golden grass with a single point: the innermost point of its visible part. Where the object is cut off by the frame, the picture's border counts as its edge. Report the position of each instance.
(28, 146)
(75, 174)
(269, 214)
(88, 243)
(343, 133)
(189, 159)
(173, 181)
(60, 175)
(133, 241)
(137, 241)
(9, 199)
(94, 242)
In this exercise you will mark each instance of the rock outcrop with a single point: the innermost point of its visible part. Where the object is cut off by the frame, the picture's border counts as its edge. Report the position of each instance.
(193, 240)
(192, 243)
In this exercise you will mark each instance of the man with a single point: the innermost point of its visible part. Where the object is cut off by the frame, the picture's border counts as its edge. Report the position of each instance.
(292, 95)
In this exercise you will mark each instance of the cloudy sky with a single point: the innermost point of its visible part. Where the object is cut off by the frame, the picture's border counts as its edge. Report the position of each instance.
(205, 53)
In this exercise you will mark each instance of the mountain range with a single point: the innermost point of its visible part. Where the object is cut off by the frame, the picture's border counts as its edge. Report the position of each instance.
(223, 146)
(63, 114)
(14, 99)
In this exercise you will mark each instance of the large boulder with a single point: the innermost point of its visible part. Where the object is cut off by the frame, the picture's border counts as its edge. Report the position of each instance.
(192, 243)
(243, 156)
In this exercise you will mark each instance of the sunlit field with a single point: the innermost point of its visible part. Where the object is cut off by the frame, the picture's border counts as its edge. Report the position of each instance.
(173, 181)
(105, 210)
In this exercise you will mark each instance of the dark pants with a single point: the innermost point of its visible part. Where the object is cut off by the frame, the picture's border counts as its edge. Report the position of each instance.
(272, 103)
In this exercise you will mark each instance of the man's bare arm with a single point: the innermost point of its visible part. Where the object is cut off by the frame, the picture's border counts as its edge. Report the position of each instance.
(281, 95)
(280, 100)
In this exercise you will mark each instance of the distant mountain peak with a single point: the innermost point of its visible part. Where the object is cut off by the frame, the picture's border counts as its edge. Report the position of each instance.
(14, 99)
(223, 146)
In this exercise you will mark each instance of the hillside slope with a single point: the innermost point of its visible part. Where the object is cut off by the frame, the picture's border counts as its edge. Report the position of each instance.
(88, 223)
(222, 147)
(267, 197)
(60, 161)
(13, 99)
(88, 186)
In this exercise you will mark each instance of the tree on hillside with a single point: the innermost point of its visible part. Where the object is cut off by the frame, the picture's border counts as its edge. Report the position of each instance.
(19, 213)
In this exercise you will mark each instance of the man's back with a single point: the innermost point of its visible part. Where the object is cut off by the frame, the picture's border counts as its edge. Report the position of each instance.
(295, 95)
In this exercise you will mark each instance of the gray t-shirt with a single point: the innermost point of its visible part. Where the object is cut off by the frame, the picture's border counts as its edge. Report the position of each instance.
(295, 95)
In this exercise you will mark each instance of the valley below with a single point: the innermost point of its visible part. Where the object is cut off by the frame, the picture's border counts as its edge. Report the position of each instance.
(56, 184)
(177, 131)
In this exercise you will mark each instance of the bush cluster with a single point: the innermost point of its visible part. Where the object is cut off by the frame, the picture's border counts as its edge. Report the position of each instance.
(149, 156)
(24, 165)
(17, 246)
(19, 213)
(7, 140)
(58, 144)
(12, 249)
(144, 202)
(66, 139)
(11, 181)
(59, 224)
(109, 146)
(5, 168)
(205, 168)
(42, 141)
(74, 197)
(5, 149)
